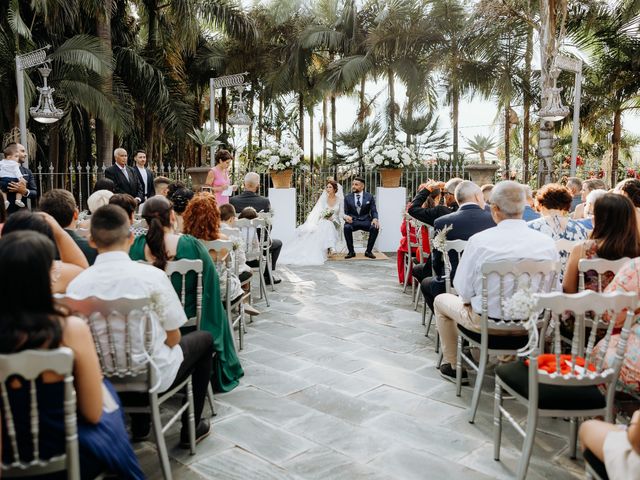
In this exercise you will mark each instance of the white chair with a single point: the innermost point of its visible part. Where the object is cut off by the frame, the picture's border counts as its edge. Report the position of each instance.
(538, 276)
(235, 310)
(408, 258)
(601, 267)
(183, 267)
(421, 258)
(249, 229)
(122, 333)
(29, 365)
(576, 393)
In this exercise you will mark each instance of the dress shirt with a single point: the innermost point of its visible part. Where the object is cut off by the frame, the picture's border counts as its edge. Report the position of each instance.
(115, 275)
(124, 171)
(145, 180)
(509, 240)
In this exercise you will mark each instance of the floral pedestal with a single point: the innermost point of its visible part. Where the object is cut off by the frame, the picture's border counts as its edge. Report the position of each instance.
(482, 173)
(198, 176)
(281, 178)
(390, 177)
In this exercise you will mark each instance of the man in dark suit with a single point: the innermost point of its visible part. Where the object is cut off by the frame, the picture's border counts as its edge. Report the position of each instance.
(123, 176)
(360, 213)
(250, 198)
(27, 185)
(143, 174)
(469, 219)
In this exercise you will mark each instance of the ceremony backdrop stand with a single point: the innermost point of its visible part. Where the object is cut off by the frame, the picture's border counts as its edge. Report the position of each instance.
(283, 205)
(391, 203)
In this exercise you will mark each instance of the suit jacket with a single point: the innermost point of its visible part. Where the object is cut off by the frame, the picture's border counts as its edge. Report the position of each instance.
(132, 186)
(31, 186)
(368, 210)
(467, 221)
(427, 215)
(150, 191)
(250, 199)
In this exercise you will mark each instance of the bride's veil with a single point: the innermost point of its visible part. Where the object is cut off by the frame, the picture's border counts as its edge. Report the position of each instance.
(316, 212)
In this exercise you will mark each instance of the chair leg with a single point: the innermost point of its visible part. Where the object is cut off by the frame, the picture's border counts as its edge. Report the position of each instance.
(406, 274)
(263, 289)
(439, 360)
(416, 299)
(459, 367)
(477, 388)
(156, 423)
(529, 439)
(497, 421)
(192, 418)
(424, 318)
(573, 437)
(210, 400)
(437, 350)
(241, 329)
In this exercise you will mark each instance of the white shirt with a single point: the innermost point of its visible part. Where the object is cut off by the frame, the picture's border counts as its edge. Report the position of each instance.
(10, 169)
(143, 174)
(114, 275)
(124, 171)
(509, 240)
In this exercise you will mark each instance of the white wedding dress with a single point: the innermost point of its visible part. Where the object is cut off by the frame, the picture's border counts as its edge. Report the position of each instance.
(316, 235)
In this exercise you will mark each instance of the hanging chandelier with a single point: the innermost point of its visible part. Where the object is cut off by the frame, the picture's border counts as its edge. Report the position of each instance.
(46, 111)
(239, 117)
(553, 110)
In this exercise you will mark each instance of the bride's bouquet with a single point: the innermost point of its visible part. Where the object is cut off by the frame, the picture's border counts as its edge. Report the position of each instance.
(282, 156)
(391, 156)
(327, 213)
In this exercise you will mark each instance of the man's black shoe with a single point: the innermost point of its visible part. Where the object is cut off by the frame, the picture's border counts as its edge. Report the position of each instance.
(276, 281)
(369, 255)
(449, 373)
(350, 255)
(140, 428)
(202, 431)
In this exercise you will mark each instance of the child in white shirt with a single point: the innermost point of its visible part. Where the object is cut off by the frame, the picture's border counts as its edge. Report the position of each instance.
(10, 172)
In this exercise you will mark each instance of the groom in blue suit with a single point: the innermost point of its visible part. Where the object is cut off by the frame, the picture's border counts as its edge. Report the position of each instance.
(360, 213)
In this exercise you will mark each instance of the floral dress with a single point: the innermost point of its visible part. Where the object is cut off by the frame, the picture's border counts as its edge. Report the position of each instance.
(627, 280)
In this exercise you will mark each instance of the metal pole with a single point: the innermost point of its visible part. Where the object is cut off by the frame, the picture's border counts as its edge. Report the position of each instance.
(22, 109)
(576, 121)
(212, 117)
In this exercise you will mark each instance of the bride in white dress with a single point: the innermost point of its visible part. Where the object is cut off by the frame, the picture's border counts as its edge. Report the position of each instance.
(319, 233)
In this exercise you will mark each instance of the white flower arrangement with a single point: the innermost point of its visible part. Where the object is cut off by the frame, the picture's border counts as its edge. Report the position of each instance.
(440, 239)
(391, 156)
(282, 156)
(522, 306)
(327, 213)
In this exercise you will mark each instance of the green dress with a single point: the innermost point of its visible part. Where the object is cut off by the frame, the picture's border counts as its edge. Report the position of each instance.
(227, 370)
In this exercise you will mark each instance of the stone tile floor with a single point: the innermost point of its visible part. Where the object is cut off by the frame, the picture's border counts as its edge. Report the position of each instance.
(340, 382)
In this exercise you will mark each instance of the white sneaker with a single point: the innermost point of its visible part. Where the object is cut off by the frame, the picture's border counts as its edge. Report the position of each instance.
(20, 203)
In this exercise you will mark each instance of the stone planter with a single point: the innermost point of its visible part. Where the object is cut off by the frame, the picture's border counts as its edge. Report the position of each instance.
(198, 176)
(281, 178)
(390, 177)
(482, 173)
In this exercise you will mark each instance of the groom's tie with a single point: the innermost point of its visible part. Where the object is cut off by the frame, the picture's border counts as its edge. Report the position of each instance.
(358, 203)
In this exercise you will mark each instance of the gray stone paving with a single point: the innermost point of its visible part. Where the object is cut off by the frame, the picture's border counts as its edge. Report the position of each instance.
(341, 383)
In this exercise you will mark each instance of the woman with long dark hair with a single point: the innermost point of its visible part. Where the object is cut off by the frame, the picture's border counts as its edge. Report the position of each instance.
(614, 236)
(29, 319)
(159, 246)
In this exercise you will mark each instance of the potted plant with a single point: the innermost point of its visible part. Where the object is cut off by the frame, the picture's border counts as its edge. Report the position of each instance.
(390, 159)
(205, 138)
(481, 172)
(280, 159)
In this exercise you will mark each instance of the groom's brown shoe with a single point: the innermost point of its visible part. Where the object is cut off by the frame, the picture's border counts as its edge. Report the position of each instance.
(369, 255)
(350, 255)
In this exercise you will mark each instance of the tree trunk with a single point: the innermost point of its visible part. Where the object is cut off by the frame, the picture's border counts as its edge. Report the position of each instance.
(526, 119)
(301, 119)
(260, 120)
(455, 106)
(615, 150)
(333, 128)
(311, 158)
(149, 128)
(409, 118)
(222, 121)
(104, 134)
(507, 139)
(325, 130)
(392, 107)
(362, 114)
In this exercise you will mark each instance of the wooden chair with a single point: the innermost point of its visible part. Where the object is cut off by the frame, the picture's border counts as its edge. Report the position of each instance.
(29, 365)
(576, 392)
(122, 331)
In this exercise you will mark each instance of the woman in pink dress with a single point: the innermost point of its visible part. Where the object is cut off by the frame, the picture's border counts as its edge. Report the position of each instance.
(218, 178)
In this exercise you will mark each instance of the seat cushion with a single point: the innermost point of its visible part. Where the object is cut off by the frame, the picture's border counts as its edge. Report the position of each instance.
(498, 342)
(552, 397)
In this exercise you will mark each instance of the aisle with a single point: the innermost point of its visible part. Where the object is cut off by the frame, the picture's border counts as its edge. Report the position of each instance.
(341, 383)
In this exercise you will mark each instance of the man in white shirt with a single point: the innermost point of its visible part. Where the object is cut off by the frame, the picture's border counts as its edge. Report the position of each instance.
(145, 176)
(176, 356)
(511, 239)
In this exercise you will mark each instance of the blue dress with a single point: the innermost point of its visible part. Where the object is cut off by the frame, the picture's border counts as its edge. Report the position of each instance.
(103, 447)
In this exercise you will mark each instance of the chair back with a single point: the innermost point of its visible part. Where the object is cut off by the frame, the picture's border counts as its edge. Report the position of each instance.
(586, 364)
(220, 247)
(183, 267)
(502, 279)
(601, 267)
(455, 248)
(250, 236)
(122, 331)
(29, 365)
